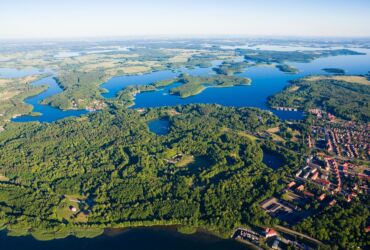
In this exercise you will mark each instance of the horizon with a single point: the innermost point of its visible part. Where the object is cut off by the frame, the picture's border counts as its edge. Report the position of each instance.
(41, 19)
(186, 37)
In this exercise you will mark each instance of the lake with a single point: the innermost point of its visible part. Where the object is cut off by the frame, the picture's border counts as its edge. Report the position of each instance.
(13, 72)
(272, 160)
(136, 239)
(266, 81)
(159, 126)
(47, 112)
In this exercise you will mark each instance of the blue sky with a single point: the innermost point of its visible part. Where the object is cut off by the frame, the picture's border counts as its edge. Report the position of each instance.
(103, 18)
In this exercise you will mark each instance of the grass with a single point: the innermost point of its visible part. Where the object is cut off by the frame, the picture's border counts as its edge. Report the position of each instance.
(6, 95)
(3, 178)
(352, 79)
(275, 137)
(185, 160)
(273, 130)
(293, 89)
(249, 136)
(187, 229)
(63, 210)
(63, 232)
(240, 133)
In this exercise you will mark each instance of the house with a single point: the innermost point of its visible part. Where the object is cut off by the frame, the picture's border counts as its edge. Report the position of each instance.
(321, 197)
(300, 188)
(291, 184)
(275, 245)
(73, 209)
(269, 232)
(349, 198)
(332, 203)
(308, 194)
(323, 182)
(315, 176)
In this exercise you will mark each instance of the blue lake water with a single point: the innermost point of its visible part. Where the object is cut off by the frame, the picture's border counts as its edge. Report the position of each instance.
(48, 113)
(13, 73)
(266, 81)
(135, 239)
(159, 126)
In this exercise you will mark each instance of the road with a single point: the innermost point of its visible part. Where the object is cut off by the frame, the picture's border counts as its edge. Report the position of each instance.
(289, 231)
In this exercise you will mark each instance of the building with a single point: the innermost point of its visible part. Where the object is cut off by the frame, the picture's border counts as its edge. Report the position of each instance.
(73, 209)
(269, 232)
(300, 188)
(308, 194)
(321, 197)
(291, 184)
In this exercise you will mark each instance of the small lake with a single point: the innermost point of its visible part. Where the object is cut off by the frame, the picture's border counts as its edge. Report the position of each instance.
(159, 126)
(272, 160)
(135, 239)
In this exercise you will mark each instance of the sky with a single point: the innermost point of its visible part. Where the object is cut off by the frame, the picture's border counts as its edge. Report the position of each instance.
(34, 19)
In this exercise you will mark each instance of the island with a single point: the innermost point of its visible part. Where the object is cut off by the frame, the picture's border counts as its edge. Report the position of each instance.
(271, 56)
(231, 68)
(334, 71)
(193, 85)
(287, 68)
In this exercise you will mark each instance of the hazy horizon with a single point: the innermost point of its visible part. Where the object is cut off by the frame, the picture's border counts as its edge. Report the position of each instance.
(41, 19)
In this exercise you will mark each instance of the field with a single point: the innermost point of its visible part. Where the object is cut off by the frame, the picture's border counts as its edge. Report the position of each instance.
(351, 79)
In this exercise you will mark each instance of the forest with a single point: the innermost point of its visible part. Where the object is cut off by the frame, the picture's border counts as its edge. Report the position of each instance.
(83, 87)
(122, 175)
(348, 100)
(207, 172)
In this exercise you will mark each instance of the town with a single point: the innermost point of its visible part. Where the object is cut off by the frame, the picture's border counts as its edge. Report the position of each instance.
(336, 169)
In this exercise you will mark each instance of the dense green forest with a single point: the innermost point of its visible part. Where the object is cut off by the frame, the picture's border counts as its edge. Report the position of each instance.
(82, 87)
(206, 172)
(342, 98)
(123, 174)
(342, 224)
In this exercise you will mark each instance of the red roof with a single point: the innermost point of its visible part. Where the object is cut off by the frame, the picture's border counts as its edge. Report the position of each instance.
(322, 182)
(308, 194)
(269, 232)
(322, 197)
